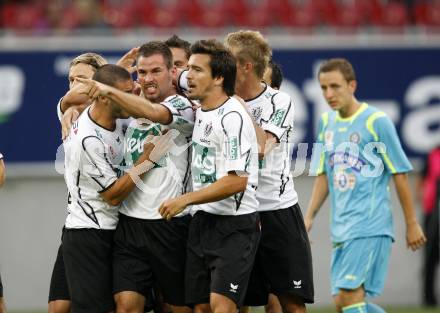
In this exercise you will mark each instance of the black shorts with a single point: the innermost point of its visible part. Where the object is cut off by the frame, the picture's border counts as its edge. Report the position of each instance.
(221, 251)
(58, 289)
(1, 287)
(284, 259)
(88, 255)
(148, 251)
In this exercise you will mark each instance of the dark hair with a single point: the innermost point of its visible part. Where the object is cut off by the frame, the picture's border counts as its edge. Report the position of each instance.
(341, 65)
(157, 47)
(111, 74)
(177, 42)
(277, 74)
(222, 62)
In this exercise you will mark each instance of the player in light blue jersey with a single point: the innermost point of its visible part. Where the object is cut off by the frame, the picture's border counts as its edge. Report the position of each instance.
(356, 153)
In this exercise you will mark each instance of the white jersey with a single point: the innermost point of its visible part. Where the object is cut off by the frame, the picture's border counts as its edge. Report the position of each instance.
(92, 158)
(224, 140)
(170, 176)
(273, 111)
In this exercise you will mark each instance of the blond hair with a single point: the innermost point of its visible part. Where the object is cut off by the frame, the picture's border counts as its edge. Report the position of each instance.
(93, 59)
(250, 46)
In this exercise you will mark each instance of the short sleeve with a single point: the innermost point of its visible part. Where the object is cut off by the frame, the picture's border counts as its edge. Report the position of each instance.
(278, 118)
(183, 114)
(59, 112)
(96, 164)
(1, 156)
(393, 155)
(318, 153)
(237, 141)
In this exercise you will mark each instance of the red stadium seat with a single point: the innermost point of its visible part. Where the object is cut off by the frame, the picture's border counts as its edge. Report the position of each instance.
(393, 14)
(428, 14)
(300, 15)
(349, 14)
(122, 14)
(21, 16)
(160, 14)
(212, 14)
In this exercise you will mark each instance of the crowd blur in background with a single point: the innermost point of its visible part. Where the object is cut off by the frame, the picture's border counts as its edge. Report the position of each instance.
(58, 16)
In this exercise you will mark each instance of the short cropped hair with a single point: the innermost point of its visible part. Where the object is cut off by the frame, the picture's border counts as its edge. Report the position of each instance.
(341, 65)
(177, 42)
(277, 75)
(111, 74)
(157, 47)
(93, 59)
(251, 47)
(222, 62)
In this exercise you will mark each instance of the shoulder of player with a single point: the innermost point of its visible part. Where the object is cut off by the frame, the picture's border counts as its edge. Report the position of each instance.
(178, 102)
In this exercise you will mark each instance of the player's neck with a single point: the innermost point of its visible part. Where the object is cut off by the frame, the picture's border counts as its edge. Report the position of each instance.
(213, 100)
(350, 110)
(250, 89)
(102, 116)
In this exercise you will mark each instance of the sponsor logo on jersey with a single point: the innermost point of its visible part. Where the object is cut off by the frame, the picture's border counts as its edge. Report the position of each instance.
(343, 181)
(347, 160)
(232, 148)
(278, 117)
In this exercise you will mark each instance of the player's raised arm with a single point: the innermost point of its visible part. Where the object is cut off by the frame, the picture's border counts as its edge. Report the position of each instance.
(136, 106)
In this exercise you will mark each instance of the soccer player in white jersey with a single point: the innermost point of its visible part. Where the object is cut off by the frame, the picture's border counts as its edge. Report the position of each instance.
(143, 239)
(224, 230)
(93, 152)
(283, 261)
(83, 66)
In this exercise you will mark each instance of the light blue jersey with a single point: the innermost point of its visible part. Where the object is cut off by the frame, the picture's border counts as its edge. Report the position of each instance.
(359, 154)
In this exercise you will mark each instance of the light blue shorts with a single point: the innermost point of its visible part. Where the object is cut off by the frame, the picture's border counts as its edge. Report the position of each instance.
(361, 261)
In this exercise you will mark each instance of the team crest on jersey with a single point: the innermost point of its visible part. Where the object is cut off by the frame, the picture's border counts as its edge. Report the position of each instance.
(256, 113)
(328, 137)
(208, 129)
(343, 181)
(355, 137)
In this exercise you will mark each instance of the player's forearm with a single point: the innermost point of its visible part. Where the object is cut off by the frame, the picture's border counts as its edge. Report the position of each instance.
(73, 98)
(405, 199)
(2, 173)
(139, 107)
(221, 189)
(261, 140)
(124, 185)
(319, 194)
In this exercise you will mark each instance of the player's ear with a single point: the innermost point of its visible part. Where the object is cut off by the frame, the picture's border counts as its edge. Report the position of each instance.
(353, 85)
(218, 81)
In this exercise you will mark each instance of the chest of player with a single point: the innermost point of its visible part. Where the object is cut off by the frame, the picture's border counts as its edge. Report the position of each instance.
(136, 137)
(349, 145)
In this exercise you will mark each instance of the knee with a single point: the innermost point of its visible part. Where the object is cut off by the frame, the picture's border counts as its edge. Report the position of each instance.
(127, 305)
(2, 305)
(222, 304)
(350, 297)
(292, 303)
(202, 308)
(337, 302)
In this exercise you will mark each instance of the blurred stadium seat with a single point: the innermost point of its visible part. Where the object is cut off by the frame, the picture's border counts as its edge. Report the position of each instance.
(48, 15)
